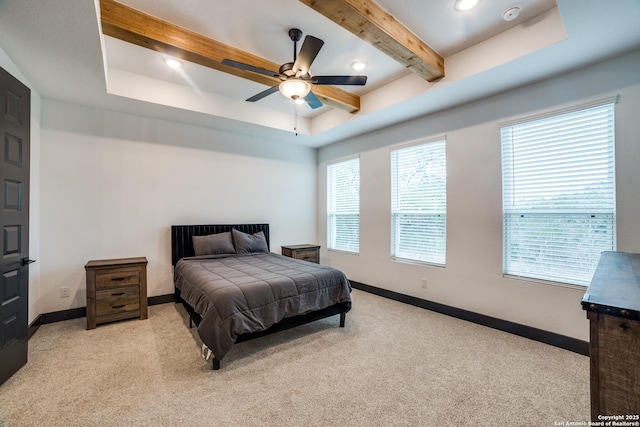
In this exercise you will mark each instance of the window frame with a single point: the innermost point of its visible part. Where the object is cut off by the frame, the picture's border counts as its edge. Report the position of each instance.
(332, 233)
(571, 216)
(439, 260)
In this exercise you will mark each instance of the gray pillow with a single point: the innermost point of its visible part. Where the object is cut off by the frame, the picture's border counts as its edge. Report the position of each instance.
(249, 242)
(213, 244)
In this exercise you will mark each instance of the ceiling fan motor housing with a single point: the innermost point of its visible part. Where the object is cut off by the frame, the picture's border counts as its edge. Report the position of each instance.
(287, 69)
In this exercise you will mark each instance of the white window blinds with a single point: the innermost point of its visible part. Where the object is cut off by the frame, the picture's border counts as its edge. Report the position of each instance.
(419, 202)
(558, 185)
(343, 206)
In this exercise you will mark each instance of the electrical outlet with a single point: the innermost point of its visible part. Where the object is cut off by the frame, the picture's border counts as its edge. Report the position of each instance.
(423, 283)
(64, 292)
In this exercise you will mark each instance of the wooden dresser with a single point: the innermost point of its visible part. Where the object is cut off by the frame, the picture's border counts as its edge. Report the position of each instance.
(309, 253)
(116, 290)
(612, 302)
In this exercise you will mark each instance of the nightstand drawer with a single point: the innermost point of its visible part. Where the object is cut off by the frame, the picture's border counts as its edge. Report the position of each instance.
(118, 277)
(307, 255)
(118, 300)
(305, 252)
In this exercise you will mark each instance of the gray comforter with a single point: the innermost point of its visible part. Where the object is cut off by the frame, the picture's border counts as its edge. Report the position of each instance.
(238, 294)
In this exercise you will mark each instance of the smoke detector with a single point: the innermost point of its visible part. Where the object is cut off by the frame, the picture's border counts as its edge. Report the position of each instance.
(511, 13)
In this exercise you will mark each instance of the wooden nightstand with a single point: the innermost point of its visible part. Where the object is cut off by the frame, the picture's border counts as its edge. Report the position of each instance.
(309, 253)
(116, 290)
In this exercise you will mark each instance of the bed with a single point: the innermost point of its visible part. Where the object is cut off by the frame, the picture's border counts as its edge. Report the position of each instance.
(235, 289)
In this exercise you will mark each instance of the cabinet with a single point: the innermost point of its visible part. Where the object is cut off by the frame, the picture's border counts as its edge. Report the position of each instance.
(116, 290)
(612, 302)
(305, 252)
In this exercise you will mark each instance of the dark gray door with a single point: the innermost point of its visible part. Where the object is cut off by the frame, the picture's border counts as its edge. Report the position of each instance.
(14, 222)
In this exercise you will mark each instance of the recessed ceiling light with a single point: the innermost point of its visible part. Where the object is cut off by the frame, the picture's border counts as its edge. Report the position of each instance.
(173, 63)
(511, 13)
(358, 65)
(463, 5)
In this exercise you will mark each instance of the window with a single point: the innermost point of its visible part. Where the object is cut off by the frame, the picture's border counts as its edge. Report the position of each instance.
(343, 206)
(419, 202)
(558, 190)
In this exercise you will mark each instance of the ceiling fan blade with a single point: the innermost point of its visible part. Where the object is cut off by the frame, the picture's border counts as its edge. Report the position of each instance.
(262, 94)
(307, 54)
(313, 100)
(247, 67)
(339, 80)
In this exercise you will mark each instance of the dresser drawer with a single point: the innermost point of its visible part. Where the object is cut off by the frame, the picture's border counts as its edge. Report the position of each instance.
(117, 278)
(118, 300)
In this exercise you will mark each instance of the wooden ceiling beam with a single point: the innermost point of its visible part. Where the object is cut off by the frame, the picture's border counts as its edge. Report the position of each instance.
(132, 26)
(369, 21)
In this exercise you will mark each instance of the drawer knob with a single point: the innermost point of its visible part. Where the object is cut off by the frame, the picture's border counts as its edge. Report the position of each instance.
(117, 279)
(118, 306)
(117, 294)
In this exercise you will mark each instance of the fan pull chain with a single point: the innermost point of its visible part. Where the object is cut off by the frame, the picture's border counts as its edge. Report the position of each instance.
(295, 119)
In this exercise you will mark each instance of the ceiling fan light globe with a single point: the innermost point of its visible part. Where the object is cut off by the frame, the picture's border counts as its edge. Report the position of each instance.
(294, 88)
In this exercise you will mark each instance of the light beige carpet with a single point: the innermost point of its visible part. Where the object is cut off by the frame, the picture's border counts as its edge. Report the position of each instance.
(393, 364)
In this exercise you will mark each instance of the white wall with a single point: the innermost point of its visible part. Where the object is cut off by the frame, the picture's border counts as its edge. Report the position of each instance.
(472, 278)
(34, 191)
(113, 184)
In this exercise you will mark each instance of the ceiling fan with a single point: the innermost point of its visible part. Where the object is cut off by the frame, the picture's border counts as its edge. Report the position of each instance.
(295, 76)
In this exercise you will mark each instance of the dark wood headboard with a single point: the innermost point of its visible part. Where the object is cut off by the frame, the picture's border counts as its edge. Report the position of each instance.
(182, 245)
